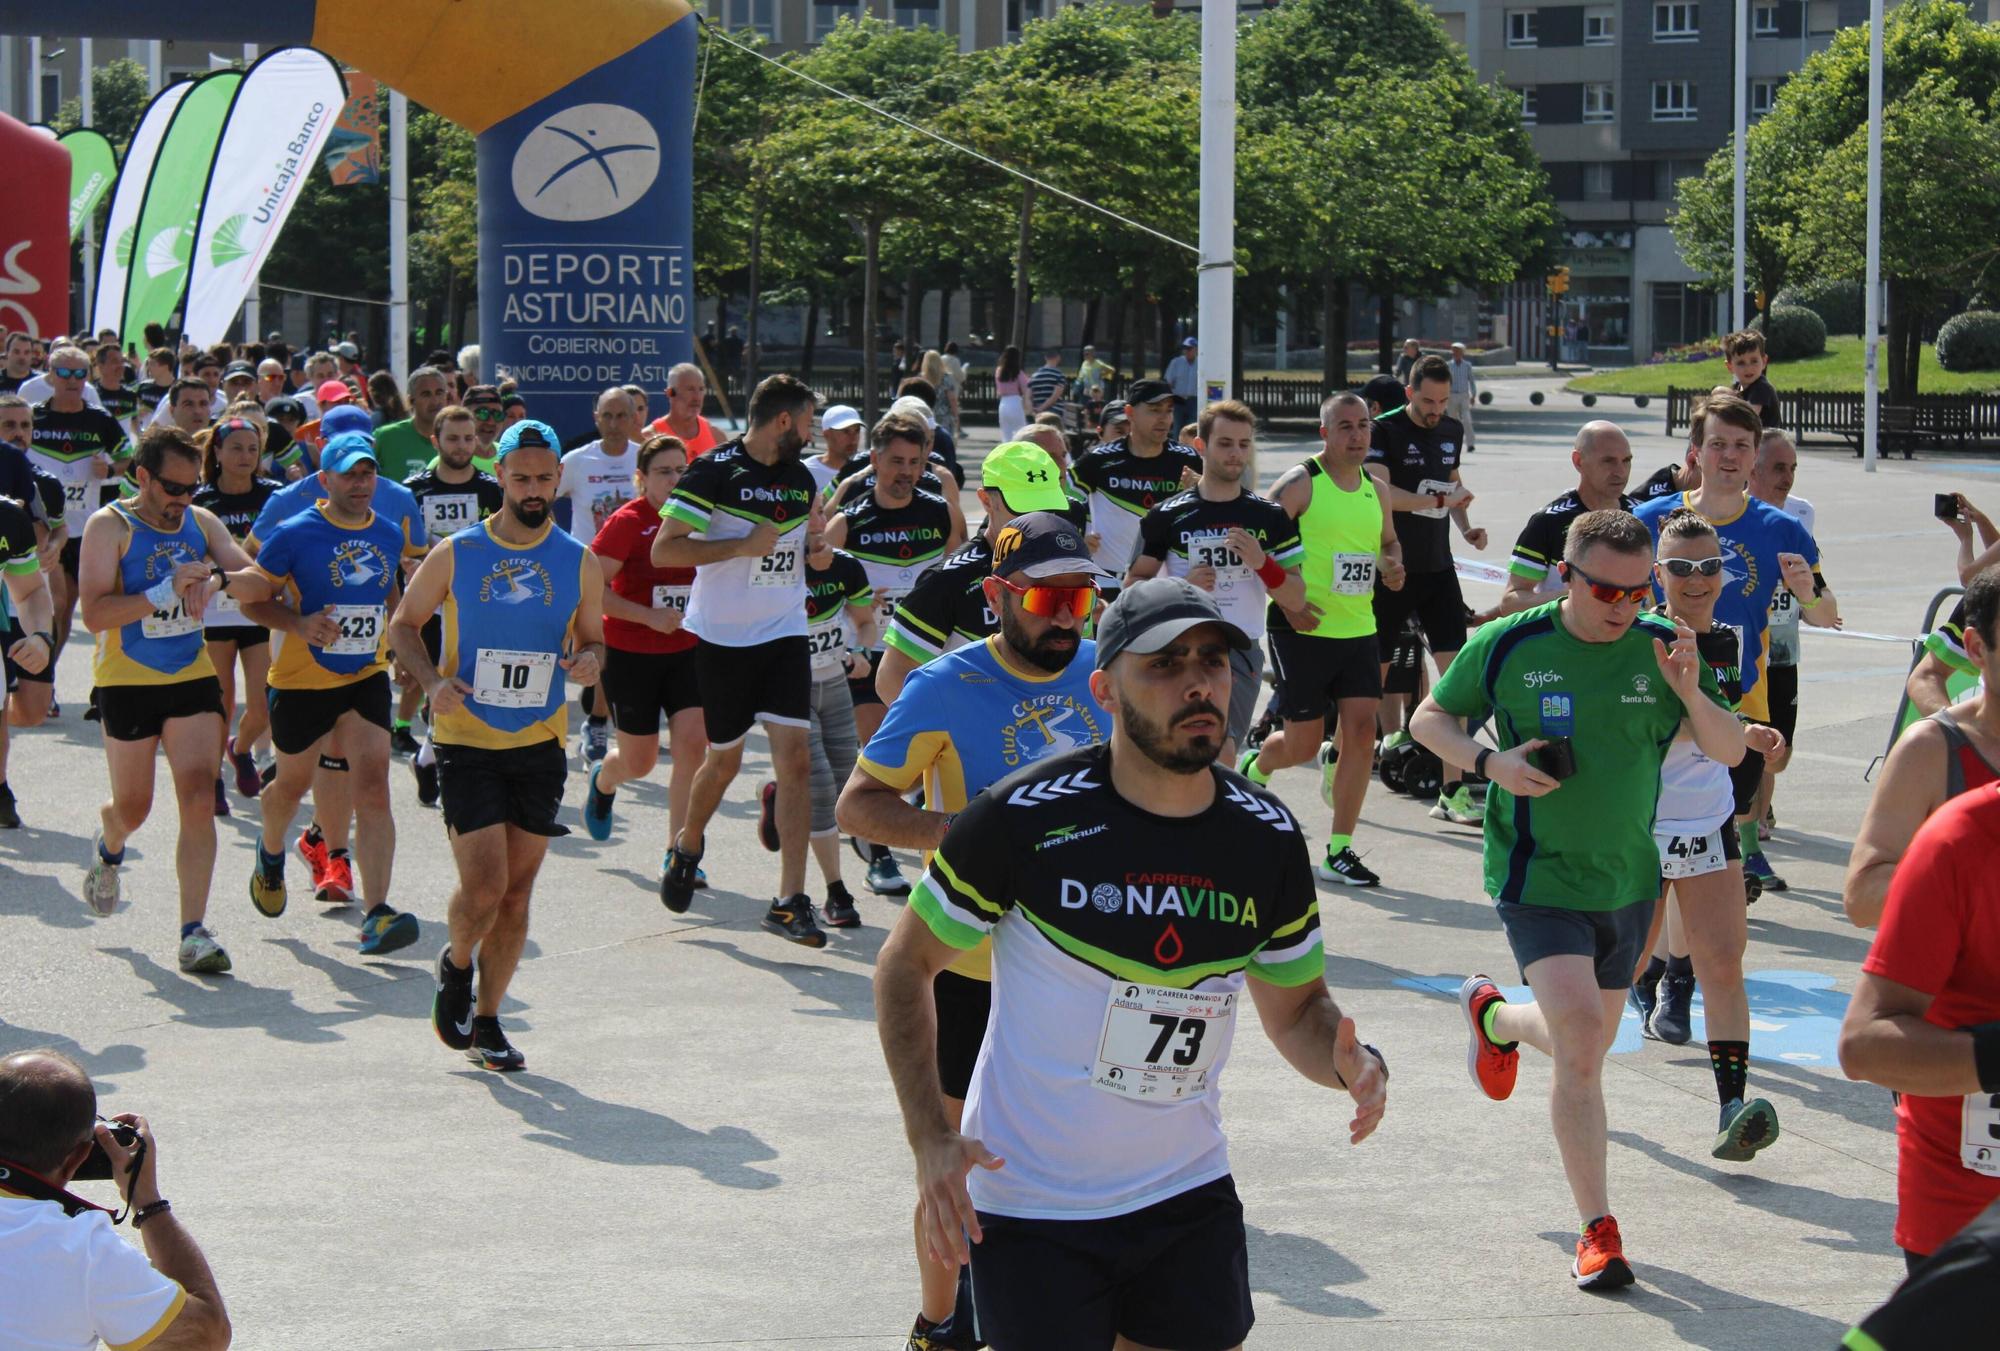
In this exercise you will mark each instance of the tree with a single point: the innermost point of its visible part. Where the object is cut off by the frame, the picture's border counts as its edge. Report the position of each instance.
(118, 97)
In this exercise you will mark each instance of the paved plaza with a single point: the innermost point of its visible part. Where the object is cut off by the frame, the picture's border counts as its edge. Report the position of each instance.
(705, 1151)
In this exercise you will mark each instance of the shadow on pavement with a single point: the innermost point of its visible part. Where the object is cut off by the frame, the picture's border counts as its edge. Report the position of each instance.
(123, 1058)
(232, 1001)
(1416, 907)
(38, 845)
(1299, 1271)
(1698, 1311)
(1867, 1223)
(398, 989)
(43, 898)
(1826, 1091)
(848, 994)
(564, 1118)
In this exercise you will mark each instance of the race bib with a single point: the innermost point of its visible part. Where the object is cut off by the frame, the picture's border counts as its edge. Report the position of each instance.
(885, 606)
(172, 622)
(1353, 574)
(445, 516)
(1158, 1044)
(1979, 1138)
(672, 597)
(780, 567)
(360, 630)
(502, 678)
(1213, 551)
(1427, 488)
(1690, 855)
(1783, 633)
(76, 497)
(828, 645)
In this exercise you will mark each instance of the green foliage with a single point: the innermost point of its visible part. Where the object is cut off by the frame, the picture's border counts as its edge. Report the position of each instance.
(1837, 301)
(118, 98)
(1970, 342)
(1791, 333)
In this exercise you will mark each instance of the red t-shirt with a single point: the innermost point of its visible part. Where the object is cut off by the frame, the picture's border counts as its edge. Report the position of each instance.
(703, 440)
(1941, 935)
(627, 536)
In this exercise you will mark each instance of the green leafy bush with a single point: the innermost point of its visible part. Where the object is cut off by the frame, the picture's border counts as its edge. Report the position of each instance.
(1837, 303)
(1791, 333)
(1970, 342)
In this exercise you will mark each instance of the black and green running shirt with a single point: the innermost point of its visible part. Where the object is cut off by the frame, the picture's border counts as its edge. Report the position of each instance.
(1121, 941)
(1123, 487)
(896, 544)
(947, 608)
(726, 494)
(1589, 844)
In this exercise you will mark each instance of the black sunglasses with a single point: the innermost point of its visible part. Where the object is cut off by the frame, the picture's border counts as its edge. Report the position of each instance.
(1688, 567)
(175, 489)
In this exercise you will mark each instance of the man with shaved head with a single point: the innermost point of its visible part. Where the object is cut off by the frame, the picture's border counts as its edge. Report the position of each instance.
(686, 392)
(1603, 459)
(597, 479)
(66, 1278)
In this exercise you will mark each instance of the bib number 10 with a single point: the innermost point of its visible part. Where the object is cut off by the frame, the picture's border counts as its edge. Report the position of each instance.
(509, 679)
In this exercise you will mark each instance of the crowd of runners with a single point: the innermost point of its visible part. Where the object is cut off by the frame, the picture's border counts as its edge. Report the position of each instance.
(1055, 706)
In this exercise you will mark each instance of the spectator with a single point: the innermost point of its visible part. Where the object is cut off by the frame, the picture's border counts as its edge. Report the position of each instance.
(66, 1279)
(900, 368)
(468, 364)
(386, 400)
(1412, 352)
(1464, 390)
(1011, 388)
(944, 403)
(1092, 375)
(1047, 385)
(1184, 375)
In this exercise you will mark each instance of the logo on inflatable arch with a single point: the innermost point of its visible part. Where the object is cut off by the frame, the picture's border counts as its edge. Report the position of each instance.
(17, 281)
(589, 161)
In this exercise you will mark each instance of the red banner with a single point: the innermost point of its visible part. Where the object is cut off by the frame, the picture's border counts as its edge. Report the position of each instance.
(34, 231)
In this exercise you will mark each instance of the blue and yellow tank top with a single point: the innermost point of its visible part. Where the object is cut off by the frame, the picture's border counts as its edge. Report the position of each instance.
(348, 570)
(508, 615)
(165, 647)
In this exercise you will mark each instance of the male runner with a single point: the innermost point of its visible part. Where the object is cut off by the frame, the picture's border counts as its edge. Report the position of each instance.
(406, 447)
(839, 601)
(840, 429)
(1771, 481)
(1128, 477)
(487, 417)
(41, 496)
(523, 609)
(81, 446)
(686, 391)
(1602, 458)
(337, 565)
(1324, 643)
(597, 479)
(31, 613)
(1236, 544)
(744, 516)
(1585, 695)
(1102, 1208)
(1414, 459)
(145, 576)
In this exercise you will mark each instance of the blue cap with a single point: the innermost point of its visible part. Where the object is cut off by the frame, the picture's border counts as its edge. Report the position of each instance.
(527, 434)
(345, 418)
(344, 452)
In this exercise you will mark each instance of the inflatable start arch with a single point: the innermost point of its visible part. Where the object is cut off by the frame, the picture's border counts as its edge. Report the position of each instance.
(584, 113)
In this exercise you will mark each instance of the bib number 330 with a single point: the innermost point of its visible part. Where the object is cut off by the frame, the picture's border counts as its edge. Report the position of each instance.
(1159, 1044)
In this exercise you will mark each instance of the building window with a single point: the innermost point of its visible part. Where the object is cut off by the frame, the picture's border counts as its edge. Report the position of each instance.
(1667, 176)
(1673, 101)
(1600, 26)
(1520, 28)
(759, 16)
(827, 13)
(1018, 13)
(1528, 106)
(1763, 96)
(1597, 181)
(1681, 315)
(1764, 19)
(1822, 17)
(1679, 21)
(51, 93)
(1599, 104)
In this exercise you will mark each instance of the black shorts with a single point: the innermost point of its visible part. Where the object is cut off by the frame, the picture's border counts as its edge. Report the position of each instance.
(1175, 1274)
(243, 635)
(299, 718)
(740, 686)
(15, 675)
(642, 685)
(1436, 601)
(963, 1005)
(139, 712)
(519, 786)
(1315, 674)
(862, 691)
(72, 556)
(1782, 684)
(1744, 779)
(433, 632)
(1614, 940)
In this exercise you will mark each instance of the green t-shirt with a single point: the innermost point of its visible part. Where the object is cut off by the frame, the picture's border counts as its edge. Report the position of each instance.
(1589, 844)
(401, 449)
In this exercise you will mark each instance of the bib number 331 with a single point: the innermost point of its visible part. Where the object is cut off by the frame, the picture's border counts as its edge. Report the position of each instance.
(1159, 1044)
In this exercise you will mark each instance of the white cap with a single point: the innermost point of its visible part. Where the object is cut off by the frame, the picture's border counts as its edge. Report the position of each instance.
(912, 406)
(839, 417)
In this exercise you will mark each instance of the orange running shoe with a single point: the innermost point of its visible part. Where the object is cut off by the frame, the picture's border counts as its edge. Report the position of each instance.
(1493, 1067)
(315, 854)
(1600, 1257)
(337, 888)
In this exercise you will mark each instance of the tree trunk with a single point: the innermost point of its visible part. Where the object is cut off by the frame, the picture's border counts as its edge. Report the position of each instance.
(1385, 334)
(1333, 334)
(1018, 329)
(871, 388)
(1090, 309)
(812, 333)
(1237, 333)
(1913, 349)
(944, 316)
(1900, 389)
(1164, 327)
(756, 270)
(1121, 304)
(913, 317)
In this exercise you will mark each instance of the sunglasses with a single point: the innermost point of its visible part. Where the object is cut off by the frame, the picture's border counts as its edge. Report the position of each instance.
(1606, 592)
(1688, 567)
(175, 489)
(69, 372)
(489, 414)
(1047, 601)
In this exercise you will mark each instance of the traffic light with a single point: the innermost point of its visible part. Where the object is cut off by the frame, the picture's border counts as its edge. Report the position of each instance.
(1559, 282)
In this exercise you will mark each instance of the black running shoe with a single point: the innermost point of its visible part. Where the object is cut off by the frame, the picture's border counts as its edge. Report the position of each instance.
(1672, 1020)
(402, 741)
(10, 819)
(490, 1048)
(677, 883)
(839, 909)
(794, 919)
(928, 1336)
(451, 1006)
(1347, 868)
(427, 781)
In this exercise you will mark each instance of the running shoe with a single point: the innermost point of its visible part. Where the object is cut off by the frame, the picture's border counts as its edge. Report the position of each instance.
(1746, 1127)
(248, 782)
(426, 776)
(1672, 1020)
(10, 818)
(597, 808)
(221, 797)
(700, 877)
(1757, 866)
(1329, 758)
(1347, 868)
(387, 930)
(402, 741)
(1492, 1067)
(201, 955)
(596, 741)
(337, 887)
(314, 852)
(267, 892)
(1600, 1257)
(839, 910)
(677, 882)
(1458, 808)
(767, 817)
(885, 878)
(1393, 740)
(928, 1336)
(100, 883)
(490, 1048)
(1247, 766)
(451, 1006)
(1645, 997)
(794, 919)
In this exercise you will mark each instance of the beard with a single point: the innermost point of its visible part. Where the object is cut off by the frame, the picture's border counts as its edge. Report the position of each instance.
(1153, 741)
(791, 443)
(533, 513)
(1052, 652)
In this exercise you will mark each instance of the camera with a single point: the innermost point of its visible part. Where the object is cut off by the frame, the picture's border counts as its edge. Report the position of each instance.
(97, 1166)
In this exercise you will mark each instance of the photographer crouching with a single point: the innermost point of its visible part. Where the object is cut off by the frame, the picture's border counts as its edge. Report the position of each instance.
(66, 1279)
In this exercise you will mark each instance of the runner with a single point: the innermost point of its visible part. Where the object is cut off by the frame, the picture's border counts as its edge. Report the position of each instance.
(406, 446)
(1603, 462)
(898, 531)
(1102, 1206)
(1414, 459)
(337, 566)
(649, 659)
(743, 517)
(453, 496)
(233, 492)
(686, 392)
(522, 604)
(1324, 645)
(82, 446)
(1053, 440)
(487, 417)
(27, 643)
(1237, 545)
(1771, 481)
(838, 601)
(597, 479)
(1585, 696)
(31, 693)
(1128, 477)
(840, 429)
(948, 608)
(146, 575)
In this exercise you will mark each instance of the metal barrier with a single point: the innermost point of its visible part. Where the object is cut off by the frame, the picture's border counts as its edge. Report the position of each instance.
(1933, 422)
